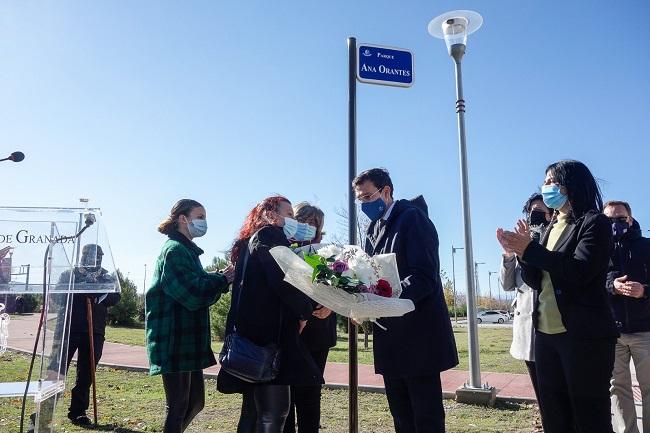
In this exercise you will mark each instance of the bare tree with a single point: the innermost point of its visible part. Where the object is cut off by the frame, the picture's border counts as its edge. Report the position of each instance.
(341, 236)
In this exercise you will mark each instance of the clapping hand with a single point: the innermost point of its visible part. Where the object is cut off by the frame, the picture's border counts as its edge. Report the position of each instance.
(515, 242)
(628, 288)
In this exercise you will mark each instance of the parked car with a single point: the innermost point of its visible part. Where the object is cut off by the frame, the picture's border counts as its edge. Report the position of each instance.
(492, 316)
(508, 314)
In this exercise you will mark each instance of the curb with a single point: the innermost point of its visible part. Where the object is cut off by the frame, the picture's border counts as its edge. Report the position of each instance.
(447, 395)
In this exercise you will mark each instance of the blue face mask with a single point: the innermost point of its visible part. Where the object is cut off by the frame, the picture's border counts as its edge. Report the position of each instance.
(197, 228)
(553, 197)
(296, 231)
(374, 209)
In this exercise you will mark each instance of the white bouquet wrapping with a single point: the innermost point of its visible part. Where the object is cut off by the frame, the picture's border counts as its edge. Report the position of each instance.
(346, 280)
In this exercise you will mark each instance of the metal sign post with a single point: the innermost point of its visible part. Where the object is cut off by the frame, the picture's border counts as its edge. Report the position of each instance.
(373, 64)
(353, 406)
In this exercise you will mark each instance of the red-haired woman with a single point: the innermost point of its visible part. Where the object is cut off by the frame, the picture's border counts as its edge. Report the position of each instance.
(265, 309)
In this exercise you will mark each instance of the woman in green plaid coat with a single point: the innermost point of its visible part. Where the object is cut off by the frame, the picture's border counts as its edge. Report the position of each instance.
(177, 315)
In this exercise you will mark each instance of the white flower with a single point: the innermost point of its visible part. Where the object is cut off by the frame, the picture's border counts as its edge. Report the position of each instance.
(329, 251)
(362, 266)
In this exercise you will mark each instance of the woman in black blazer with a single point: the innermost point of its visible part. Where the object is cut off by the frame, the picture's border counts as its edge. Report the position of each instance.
(575, 330)
(265, 309)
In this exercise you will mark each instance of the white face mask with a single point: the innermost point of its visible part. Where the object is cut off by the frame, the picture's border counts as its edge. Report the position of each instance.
(197, 228)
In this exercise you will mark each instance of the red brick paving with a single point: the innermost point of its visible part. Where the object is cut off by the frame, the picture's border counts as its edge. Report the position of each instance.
(22, 331)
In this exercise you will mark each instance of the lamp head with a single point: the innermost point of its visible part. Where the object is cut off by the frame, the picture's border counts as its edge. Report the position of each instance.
(454, 27)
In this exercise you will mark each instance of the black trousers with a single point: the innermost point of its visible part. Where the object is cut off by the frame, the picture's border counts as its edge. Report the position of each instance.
(185, 398)
(416, 404)
(573, 377)
(80, 343)
(532, 372)
(305, 401)
(264, 409)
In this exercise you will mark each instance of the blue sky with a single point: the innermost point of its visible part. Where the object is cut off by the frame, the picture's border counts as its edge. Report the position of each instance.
(137, 104)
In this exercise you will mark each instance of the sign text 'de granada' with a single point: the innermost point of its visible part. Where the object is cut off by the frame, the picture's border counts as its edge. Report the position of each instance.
(384, 65)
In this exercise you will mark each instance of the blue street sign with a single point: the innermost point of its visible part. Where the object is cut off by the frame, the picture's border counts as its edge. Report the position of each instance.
(384, 65)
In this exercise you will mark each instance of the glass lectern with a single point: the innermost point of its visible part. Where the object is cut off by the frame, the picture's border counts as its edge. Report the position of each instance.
(43, 257)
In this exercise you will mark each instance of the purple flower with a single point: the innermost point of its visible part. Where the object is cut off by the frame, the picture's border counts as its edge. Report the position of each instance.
(363, 288)
(339, 266)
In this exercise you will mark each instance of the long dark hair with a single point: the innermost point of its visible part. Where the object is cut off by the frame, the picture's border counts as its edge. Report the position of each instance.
(183, 206)
(582, 188)
(258, 217)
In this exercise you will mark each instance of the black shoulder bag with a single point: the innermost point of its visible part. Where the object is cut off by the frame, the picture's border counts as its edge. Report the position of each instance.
(244, 359)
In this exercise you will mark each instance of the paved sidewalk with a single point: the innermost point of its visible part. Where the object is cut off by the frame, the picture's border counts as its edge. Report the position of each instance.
(510, 386)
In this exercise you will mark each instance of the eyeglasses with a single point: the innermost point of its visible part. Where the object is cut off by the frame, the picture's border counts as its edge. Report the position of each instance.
(366, 197)
(620, 219)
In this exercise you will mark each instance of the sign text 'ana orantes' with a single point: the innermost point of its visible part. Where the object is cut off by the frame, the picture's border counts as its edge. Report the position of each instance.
(384, 65)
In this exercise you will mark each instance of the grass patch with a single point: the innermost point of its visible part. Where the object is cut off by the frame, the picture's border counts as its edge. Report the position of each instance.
(494, 352)
(134, 402)
(130, 336)
(494, 346)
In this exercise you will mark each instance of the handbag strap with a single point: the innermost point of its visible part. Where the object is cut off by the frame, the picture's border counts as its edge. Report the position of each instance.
(247, 254)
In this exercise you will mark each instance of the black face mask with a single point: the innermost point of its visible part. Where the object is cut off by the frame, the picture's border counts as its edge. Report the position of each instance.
(619, 227)
(90, 262)
(537, 218)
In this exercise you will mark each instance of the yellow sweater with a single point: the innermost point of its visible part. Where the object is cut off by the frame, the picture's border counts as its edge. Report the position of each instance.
(550, 319)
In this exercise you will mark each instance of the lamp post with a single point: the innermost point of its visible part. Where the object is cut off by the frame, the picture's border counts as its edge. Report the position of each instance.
(490, 273)
(478, 284)
(144, 280)
(454, 27)
(453, 278)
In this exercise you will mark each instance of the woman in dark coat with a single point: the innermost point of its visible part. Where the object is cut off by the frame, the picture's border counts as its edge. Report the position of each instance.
(265, 309)
(575, 331)
(319, 336)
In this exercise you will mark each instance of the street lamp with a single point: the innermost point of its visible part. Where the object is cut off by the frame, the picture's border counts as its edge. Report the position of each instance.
(478, 284)
(490, 273)
(454, 27)
(15, 157)
(144, 281)
(453, 278)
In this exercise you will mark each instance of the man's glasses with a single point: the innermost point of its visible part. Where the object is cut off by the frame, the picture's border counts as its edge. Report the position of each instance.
(366, 197)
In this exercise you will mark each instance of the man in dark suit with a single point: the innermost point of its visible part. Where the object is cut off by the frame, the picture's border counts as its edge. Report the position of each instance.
(414, 348)
(628, 284)
(97, 286)
(88, 276)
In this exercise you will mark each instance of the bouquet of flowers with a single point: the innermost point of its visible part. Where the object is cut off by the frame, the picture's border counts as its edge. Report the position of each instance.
(349, 268)
(346, 280)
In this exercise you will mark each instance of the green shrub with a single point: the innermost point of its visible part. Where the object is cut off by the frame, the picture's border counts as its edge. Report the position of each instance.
(126, 311)
(218, 315)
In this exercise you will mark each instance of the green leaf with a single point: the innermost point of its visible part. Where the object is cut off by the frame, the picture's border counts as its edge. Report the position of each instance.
(314, 275)
(313, 260)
